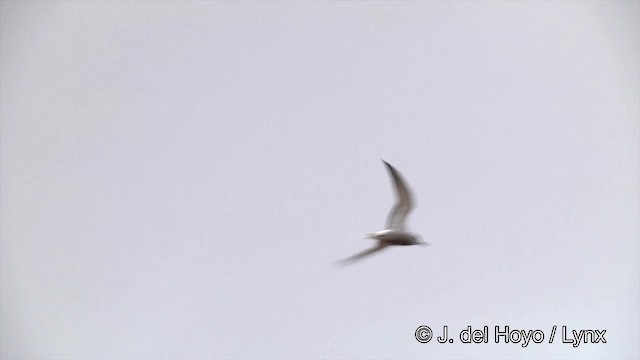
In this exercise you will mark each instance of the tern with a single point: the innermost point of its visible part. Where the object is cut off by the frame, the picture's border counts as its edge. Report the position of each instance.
(394, 232)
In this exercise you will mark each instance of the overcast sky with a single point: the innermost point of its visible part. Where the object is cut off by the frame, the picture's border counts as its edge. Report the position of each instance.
(179, 178)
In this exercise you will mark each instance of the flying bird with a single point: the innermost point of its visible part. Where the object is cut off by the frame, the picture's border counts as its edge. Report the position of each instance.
(395, 232)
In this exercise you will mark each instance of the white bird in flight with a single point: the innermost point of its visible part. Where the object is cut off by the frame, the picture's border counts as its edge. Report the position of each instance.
(395, 232)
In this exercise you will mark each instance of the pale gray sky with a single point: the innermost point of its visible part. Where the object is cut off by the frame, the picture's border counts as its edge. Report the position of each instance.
(178, 178)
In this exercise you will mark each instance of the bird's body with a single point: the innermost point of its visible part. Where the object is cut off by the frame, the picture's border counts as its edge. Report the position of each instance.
(394, 232)
(393, 237)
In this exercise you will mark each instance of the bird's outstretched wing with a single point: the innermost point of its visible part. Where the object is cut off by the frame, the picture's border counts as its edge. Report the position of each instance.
(404, 201)
(361, 255)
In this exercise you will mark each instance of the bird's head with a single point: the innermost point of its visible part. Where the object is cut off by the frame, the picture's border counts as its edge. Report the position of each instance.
(417, 239)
